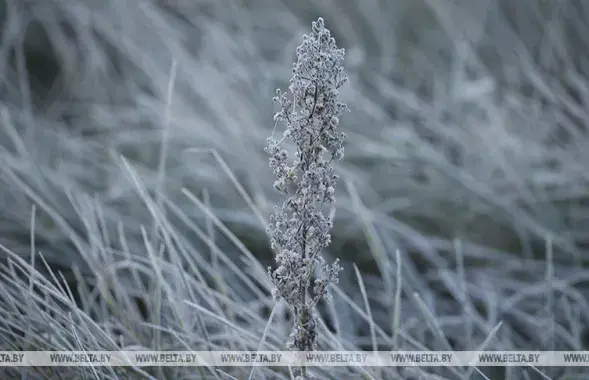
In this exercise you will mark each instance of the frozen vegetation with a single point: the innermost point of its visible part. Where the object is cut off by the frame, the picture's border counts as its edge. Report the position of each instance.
(135, 192)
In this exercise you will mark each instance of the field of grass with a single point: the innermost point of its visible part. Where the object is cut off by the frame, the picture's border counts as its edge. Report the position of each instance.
(135, 191)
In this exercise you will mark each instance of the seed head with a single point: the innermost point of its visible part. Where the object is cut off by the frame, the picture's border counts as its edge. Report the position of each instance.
(300, 230)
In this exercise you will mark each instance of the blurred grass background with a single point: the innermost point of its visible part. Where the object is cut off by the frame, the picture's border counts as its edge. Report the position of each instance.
(467, 146)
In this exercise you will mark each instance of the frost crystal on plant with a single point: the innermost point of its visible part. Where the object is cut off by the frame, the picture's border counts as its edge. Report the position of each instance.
(299, 230)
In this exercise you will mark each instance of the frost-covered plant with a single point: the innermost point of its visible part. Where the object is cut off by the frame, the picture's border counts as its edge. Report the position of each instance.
(300, 229)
